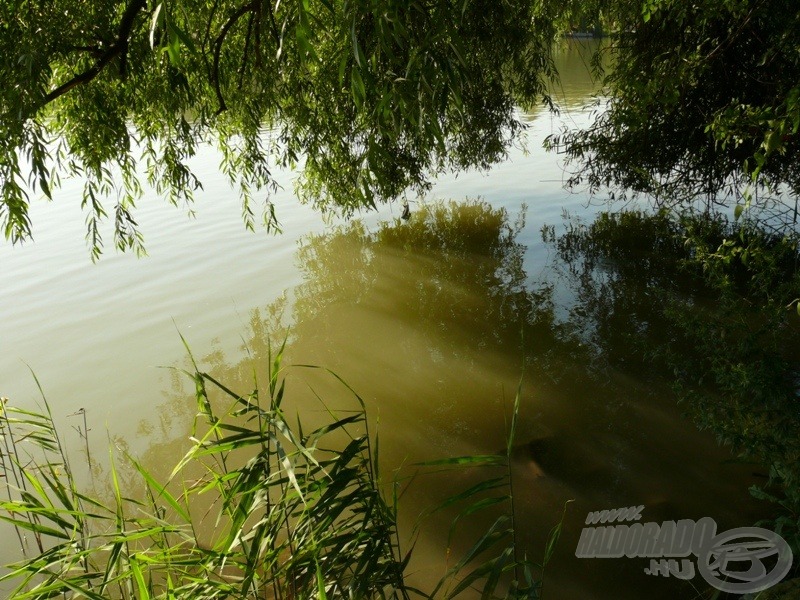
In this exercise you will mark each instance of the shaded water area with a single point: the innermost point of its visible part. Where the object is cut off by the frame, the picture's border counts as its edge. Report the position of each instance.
(433, 322)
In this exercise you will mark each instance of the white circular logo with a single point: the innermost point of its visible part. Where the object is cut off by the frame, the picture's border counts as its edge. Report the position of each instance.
(737, 567)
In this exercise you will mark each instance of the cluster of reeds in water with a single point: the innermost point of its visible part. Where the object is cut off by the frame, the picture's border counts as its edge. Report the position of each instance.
(292, 514)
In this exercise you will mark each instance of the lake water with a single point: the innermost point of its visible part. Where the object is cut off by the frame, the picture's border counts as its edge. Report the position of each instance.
(422, 318)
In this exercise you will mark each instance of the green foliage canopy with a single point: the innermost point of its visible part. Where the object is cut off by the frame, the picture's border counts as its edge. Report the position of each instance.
(704, 97)
(373, 97)
(370, 96)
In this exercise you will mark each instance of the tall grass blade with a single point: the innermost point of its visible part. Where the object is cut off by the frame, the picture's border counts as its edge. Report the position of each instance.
(289, 516)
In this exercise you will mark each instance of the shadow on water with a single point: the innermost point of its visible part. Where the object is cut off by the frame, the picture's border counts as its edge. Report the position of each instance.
(432, 322)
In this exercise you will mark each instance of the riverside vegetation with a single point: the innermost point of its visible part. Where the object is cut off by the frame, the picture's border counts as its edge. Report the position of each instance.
(258, 508)
(380, 97)
(290, 513)
(709, 306)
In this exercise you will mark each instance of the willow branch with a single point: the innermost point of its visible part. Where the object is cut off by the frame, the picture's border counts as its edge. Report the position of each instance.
(119, 47)
(234, 18)
(246, 50)
(274, 26)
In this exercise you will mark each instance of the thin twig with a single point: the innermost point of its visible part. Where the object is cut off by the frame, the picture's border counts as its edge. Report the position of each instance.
(243, 68)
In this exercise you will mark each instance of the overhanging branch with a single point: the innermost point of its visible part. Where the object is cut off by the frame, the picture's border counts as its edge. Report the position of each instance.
(118, 48)
(232, 20)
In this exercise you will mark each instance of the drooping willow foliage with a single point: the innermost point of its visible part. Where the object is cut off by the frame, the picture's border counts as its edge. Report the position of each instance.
(702, 102)
(371, 96)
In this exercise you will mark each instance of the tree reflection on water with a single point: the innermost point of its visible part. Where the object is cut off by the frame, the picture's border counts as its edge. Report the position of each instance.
(433, 321)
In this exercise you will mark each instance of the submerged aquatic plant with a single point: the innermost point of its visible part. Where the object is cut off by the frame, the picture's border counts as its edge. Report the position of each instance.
(275, 513)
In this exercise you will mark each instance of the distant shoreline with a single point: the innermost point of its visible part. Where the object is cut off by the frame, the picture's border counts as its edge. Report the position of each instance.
(583, 35)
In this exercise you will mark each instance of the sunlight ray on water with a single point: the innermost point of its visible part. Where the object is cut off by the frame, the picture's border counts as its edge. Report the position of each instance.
(424, 319)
